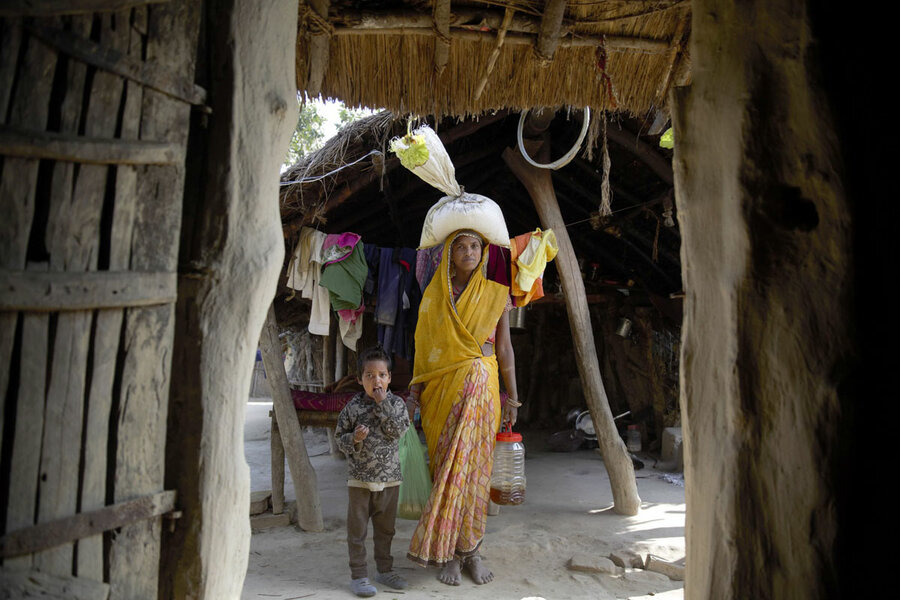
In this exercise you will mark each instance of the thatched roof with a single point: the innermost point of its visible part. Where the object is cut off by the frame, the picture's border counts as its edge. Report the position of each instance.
(386, 204)
(428, 57)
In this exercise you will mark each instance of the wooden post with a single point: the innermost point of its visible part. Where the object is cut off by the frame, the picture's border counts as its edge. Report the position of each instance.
(277, 446)
(615, 456)
(551, 24)
(441, 27)
(309, 509)
(319, 43)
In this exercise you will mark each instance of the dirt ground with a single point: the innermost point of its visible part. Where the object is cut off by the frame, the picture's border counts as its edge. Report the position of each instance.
(567, 511)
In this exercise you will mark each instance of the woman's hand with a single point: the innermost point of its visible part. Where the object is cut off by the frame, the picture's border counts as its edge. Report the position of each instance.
(510, 414)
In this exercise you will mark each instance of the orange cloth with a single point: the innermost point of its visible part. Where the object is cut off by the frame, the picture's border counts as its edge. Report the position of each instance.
(522, 297)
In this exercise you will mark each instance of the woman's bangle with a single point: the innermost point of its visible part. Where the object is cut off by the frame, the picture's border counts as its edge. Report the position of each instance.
(513, 403)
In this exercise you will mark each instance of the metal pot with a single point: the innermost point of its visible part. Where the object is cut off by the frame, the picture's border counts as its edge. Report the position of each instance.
(517, 319)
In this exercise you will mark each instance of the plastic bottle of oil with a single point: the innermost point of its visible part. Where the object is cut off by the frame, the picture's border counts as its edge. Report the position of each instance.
(508, 476)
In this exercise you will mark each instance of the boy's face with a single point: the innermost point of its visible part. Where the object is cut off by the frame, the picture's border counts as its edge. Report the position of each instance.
(375, 378)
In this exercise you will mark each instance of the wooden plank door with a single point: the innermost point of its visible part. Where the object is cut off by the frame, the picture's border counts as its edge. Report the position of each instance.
(94, 111)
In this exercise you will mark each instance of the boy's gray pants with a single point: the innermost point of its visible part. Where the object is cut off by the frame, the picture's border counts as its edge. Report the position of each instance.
(381, 507)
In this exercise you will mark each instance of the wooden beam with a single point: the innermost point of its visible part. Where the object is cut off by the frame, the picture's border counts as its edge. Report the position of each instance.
(82, 149)
(615, 456)
(51, 8)
(88, 290)
(319, 46)
(276, 445)
(662, 92)
(16, 583)
(148, 74)
(549, 36)
(441, 16)
(60, 531)
(613, 43)
(303, 476)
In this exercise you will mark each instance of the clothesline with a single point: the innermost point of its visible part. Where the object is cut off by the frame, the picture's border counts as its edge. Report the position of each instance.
(632, 207)
(330, 173)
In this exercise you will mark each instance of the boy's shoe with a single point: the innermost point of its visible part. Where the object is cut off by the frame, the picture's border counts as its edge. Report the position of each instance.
(362, 588)
(392, 579)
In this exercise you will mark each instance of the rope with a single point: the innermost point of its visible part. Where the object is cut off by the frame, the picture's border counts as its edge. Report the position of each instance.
(568, 156)
(330, 173)
(317, 23)
(605, 196)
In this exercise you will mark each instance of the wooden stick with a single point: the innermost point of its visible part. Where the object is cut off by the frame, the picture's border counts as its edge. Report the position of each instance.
(495, 53)
(148, 74)
(43, 292)
(441, 15)
(614, 43)
(662, 91)
(551, 22)
(18, 183)
(68, 529)
(49, 8)
(318, 50)
(72, 238)
(615, 457)
(108, 329)
(309, 508)
(82, 149)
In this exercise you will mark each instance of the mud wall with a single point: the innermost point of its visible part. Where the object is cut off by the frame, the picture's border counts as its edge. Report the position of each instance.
(766, 264)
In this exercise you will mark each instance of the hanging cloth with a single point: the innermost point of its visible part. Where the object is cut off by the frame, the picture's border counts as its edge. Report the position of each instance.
(529, 255)
(304, 274)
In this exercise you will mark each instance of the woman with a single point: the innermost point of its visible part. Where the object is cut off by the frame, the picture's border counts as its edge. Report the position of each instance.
(461, 336)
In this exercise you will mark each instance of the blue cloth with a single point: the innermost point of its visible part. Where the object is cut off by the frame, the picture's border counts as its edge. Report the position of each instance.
(389, 291)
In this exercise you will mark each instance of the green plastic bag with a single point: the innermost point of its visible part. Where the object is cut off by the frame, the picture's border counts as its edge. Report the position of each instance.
(416, 486)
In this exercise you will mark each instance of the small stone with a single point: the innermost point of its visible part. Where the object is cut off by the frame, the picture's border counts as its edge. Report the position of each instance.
(592, 564)
(671, 570)
(268, 521)
(627, 559)
(645, 577)
(259, 502)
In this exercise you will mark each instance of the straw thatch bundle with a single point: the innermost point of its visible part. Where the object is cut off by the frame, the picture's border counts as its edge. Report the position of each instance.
(390, 56)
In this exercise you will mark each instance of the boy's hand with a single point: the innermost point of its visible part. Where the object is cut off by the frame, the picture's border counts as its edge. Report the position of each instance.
(360, 433)
(379, 394)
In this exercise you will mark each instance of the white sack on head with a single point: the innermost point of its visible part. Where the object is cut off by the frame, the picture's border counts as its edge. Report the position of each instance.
(468, 211)
(422, 152)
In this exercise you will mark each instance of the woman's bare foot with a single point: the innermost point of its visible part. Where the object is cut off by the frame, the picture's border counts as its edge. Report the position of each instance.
(480, 573)
(451, 574)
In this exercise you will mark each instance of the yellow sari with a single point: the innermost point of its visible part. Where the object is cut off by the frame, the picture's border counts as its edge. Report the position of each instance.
(460, 406)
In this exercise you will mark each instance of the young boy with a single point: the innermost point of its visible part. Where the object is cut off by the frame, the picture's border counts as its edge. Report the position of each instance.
(367, 432)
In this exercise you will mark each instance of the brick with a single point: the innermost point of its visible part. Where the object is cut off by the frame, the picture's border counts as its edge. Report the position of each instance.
(592, 564)
(268, 521)
(671, 570)
(259, 502)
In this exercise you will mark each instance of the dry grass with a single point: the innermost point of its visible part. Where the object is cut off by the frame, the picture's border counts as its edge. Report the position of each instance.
(396, 71)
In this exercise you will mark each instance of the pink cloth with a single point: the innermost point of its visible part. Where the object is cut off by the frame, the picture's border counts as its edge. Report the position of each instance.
(338, 246)
(352, 315)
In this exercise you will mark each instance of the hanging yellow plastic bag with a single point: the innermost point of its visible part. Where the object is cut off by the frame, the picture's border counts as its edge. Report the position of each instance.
(416, 486)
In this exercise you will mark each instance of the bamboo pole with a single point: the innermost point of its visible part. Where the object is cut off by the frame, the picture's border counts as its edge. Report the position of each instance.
(492, 60)
(303, 476)
(618, 463)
